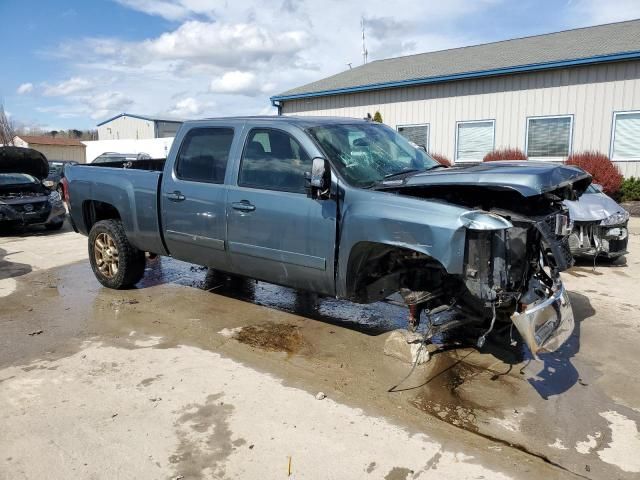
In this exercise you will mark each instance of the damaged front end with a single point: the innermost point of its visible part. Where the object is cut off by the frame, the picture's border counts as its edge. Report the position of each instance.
(600, 226)
(515, 270)
(516, 242)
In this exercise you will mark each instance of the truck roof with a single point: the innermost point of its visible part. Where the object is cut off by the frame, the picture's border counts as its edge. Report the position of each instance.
(306, 121)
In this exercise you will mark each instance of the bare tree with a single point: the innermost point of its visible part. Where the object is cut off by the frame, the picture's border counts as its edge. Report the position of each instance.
(7, 130)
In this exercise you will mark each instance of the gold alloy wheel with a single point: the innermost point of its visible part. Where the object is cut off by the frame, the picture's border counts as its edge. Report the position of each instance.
(106, 254)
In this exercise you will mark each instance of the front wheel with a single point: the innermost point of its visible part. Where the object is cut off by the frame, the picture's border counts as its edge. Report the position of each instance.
(115, 262)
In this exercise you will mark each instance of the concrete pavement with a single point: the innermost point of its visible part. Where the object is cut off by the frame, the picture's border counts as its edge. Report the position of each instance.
(147, 383)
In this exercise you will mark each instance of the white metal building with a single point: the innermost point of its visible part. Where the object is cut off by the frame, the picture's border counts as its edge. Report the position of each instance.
(128, 126)
(53, 148)
(548, 95)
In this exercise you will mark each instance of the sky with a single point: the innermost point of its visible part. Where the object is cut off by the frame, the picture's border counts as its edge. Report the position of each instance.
(72, 64)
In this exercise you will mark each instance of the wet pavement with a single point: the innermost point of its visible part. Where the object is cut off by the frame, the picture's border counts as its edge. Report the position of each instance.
(573, 413)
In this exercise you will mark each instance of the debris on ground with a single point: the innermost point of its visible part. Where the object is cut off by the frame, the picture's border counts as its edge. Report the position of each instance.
(229, 332)
(406, 347)
(320, 396)
(37, 332)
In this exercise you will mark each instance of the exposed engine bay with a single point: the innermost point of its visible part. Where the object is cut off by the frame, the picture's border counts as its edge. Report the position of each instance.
(515, 248)
(24, 200)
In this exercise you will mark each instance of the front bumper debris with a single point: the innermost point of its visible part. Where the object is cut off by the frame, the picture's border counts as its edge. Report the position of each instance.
(546, 325)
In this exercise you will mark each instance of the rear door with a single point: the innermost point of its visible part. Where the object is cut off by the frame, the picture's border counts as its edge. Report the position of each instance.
(193, 195)
(275, 232)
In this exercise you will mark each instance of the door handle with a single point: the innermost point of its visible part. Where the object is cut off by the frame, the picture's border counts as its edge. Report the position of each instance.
(243, 206)
(175, 196)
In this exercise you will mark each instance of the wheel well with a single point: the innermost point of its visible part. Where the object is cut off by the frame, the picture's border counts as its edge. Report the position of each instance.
(376, 270)
(93, 211)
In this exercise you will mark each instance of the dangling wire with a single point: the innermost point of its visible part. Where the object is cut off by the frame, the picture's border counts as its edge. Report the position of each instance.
(483, 337)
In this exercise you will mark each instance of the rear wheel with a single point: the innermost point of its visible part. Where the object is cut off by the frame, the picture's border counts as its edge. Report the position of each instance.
(115, 262)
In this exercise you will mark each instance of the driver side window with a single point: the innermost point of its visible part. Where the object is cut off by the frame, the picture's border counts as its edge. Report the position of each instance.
(273, 160)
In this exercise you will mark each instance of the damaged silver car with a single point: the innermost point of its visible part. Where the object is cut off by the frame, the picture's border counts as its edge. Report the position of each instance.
(599, 225)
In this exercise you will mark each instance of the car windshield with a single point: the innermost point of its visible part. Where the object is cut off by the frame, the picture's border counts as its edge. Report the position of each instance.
(367, 153)
(16, 179)
(55, 168)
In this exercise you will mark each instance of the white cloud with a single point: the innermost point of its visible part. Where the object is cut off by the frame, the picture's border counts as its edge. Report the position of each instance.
(223, 44)
(107, 103)
(598, 11)
(187, 107)
(238, 82)
(67, 87)
(166, 9)
(25, 88)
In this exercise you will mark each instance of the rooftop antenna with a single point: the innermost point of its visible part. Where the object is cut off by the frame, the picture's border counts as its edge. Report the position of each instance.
(350, 67)
(365, 53)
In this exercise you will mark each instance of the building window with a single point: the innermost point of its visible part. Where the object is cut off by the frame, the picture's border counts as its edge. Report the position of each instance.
(625, 138)
(418, 134)
(474, 140)
(549, 138)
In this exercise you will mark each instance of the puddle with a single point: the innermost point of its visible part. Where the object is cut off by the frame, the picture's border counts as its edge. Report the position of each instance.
(273, 337)
(441, 395)
(371, 319)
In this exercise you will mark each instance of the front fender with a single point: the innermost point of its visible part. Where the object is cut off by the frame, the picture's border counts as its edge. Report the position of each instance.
(431, 227)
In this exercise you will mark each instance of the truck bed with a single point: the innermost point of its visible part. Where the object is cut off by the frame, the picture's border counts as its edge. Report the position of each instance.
(130, 187)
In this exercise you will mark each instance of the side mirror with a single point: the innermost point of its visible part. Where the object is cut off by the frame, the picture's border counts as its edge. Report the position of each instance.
(319, 179)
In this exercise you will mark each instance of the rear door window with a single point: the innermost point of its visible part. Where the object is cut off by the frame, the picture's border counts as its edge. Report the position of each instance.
(273, 160)
(204, 155)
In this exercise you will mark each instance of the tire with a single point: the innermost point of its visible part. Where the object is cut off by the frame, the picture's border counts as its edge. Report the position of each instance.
(54, 225)
(108, 245)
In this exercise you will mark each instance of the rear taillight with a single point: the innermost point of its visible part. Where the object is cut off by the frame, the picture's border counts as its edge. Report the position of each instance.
(65, 190)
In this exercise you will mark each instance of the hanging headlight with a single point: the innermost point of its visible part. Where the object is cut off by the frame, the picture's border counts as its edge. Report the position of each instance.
(616, 219)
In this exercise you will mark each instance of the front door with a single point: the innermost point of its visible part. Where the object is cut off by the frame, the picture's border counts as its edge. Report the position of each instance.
(275, 232)
(193, 197)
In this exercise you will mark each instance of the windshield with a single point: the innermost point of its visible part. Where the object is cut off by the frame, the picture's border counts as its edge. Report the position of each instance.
(16, 179)
(55, 168)
(366, 153)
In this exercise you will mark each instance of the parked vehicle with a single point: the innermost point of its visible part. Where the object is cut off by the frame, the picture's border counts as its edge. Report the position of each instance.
(24, 199)
(599, 225)
(346, 208)
(108, 157)
(56, 174)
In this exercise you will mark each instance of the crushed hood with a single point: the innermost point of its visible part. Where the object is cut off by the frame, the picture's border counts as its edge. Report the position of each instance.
(527, 178)
(592, 207)
(23, 160)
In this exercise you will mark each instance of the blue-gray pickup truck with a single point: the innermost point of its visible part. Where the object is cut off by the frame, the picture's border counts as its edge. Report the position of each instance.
(345, 208)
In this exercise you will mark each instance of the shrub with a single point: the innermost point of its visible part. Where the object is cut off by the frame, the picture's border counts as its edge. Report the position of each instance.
(377, 117)
(630, 189)
(441, 159)
(603, 171)
(505, 154)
